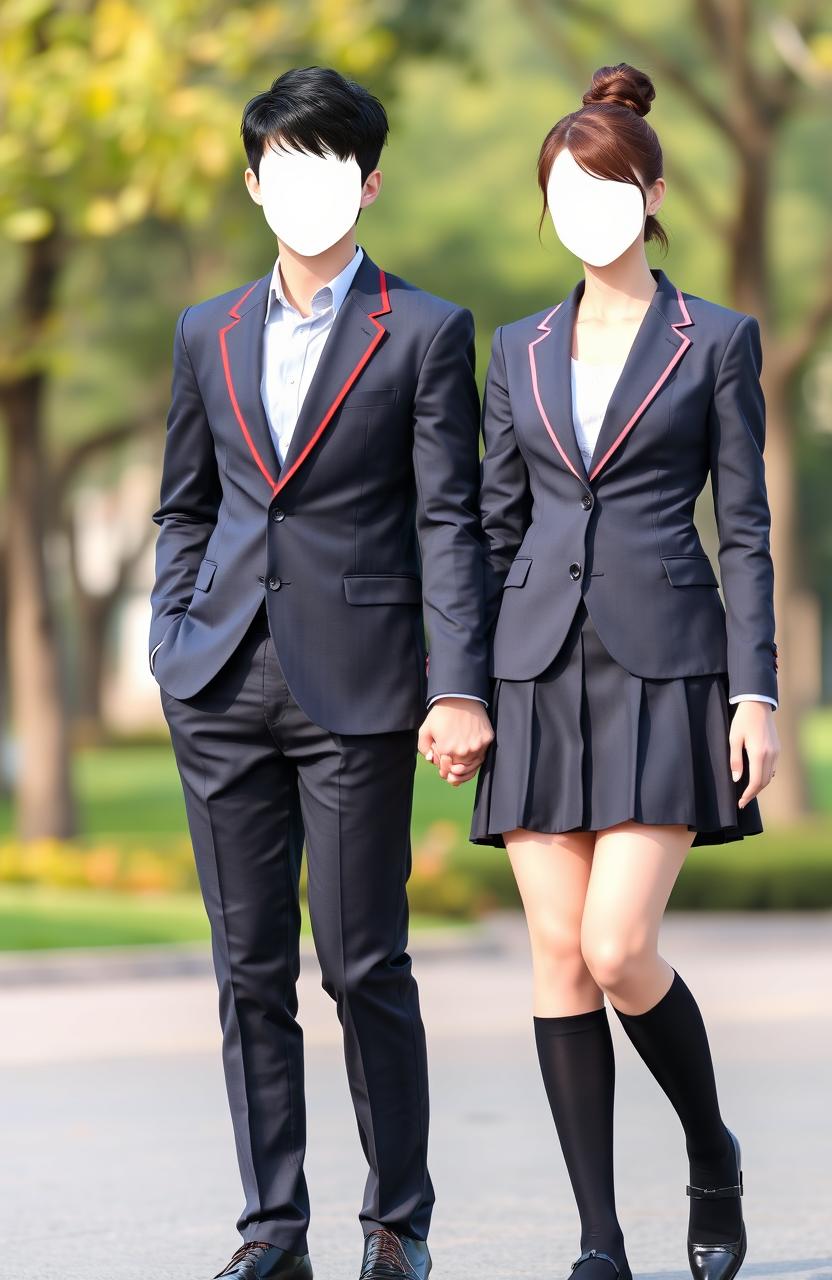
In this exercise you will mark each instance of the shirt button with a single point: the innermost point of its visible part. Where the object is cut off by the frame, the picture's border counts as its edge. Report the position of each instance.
(586, 502)
(574, 570)
(278, 514)
(275, 584)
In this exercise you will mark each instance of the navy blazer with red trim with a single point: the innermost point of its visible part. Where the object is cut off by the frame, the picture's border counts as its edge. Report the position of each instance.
(370, 529)
(688, 403)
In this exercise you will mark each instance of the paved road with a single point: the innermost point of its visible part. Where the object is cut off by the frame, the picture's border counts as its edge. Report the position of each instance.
(118, 1159)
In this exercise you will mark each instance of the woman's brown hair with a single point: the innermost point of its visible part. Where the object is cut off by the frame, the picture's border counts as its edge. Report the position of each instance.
(609, 137)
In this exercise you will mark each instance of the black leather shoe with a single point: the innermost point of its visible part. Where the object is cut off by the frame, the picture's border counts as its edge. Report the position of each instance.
(622, 1272)
(719, 1261)
(389, 1256)
(256, 1260)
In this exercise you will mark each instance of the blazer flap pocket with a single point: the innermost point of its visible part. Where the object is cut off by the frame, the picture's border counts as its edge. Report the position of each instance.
(690, 571)
(363, 399)
(518, 571)
(205, 574)
(382, 588)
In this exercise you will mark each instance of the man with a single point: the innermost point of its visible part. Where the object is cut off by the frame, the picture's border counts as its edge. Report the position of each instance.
(318, 500)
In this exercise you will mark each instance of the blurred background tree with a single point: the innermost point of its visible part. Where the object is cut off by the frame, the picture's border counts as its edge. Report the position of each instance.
(120, 123)
(122, 201)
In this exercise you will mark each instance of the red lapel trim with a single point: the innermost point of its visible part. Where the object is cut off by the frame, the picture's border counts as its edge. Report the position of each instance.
(383, 310)
(674, 360)
(544, 326)
(236, 317)
(277, 485)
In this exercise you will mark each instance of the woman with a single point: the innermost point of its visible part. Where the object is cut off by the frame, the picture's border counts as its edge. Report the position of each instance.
(633, 712)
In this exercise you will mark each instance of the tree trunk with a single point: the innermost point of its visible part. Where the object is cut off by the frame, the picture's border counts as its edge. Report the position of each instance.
(786, 799)
(93, 621)
(43, 793)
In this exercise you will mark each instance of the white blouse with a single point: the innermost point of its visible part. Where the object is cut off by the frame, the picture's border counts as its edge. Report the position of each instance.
(592, 386)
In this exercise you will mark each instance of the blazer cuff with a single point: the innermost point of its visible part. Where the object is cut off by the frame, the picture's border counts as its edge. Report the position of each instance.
(472, 697)
(753, 697)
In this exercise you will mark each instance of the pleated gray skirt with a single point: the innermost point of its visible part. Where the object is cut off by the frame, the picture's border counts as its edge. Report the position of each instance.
(587, 744)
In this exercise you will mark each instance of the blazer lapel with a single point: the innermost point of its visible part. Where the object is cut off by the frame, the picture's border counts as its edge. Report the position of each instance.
(351, 342)
(551, 374)
(241, 349)
(656, 349)
(353, 339)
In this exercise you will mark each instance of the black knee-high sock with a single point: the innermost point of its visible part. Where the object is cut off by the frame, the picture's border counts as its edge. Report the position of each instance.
(672, 1040)
(578, 1067)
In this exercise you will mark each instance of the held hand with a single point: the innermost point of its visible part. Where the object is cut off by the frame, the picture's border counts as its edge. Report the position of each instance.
(753, 728)
(455, 736)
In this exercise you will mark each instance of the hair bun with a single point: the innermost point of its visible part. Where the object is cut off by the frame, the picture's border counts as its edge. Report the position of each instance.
(623, 85)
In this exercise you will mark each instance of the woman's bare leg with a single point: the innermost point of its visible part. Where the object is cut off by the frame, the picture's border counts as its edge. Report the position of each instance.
(552, 874)
(633, 871)
(634, 868)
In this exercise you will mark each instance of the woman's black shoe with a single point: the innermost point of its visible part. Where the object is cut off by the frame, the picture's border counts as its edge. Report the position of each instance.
(719, 1261)
(621, 1272)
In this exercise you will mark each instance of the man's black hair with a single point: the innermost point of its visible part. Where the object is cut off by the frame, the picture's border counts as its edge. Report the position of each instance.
(316, 109)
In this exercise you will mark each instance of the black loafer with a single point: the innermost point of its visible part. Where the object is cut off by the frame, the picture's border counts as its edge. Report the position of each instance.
(719, 1261)
(389, 1256)
(257, 1260)
(621, 1272)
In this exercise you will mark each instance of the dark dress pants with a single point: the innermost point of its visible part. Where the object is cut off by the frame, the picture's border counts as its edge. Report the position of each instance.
(257, 776)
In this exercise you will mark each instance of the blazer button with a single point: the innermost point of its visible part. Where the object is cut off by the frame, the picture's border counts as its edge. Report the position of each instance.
(586, 502)
(278, 514)
(275, 584)
(574, 569)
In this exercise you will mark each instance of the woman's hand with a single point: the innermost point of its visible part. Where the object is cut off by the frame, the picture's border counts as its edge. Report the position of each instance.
(753, 728)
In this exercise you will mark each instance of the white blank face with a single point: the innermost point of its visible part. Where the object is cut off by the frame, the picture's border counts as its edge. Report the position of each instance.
(595, 218)
(309, 201)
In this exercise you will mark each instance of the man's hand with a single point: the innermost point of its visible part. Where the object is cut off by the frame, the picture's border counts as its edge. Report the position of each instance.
(455, 736)
(753, 728)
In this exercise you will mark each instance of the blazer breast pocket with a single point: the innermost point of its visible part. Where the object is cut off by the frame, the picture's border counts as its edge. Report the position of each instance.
(205, 575)
(518, 572)
(364, 399)
(689, 571)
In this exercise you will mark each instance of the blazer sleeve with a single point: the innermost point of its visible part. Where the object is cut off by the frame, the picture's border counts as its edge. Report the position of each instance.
(189, 497)
(737, 428)
(505, 491)
(446, 469)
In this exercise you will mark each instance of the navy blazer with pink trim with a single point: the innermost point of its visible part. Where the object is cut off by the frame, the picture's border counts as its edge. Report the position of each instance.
(688, 403)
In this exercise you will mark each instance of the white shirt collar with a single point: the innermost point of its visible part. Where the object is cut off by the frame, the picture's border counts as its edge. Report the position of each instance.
(331, 294)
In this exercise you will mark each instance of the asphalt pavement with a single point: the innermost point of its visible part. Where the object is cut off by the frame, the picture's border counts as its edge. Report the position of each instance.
(118, 1160)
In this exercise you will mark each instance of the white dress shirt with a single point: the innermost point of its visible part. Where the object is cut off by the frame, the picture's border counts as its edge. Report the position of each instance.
(292, 347)
(592, 386)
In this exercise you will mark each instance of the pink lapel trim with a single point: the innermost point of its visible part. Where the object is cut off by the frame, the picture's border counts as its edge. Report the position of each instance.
(544, 326)
(674, 360)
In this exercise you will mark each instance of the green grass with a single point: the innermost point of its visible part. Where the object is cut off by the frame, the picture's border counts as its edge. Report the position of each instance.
(34, 917)
(130, 798)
